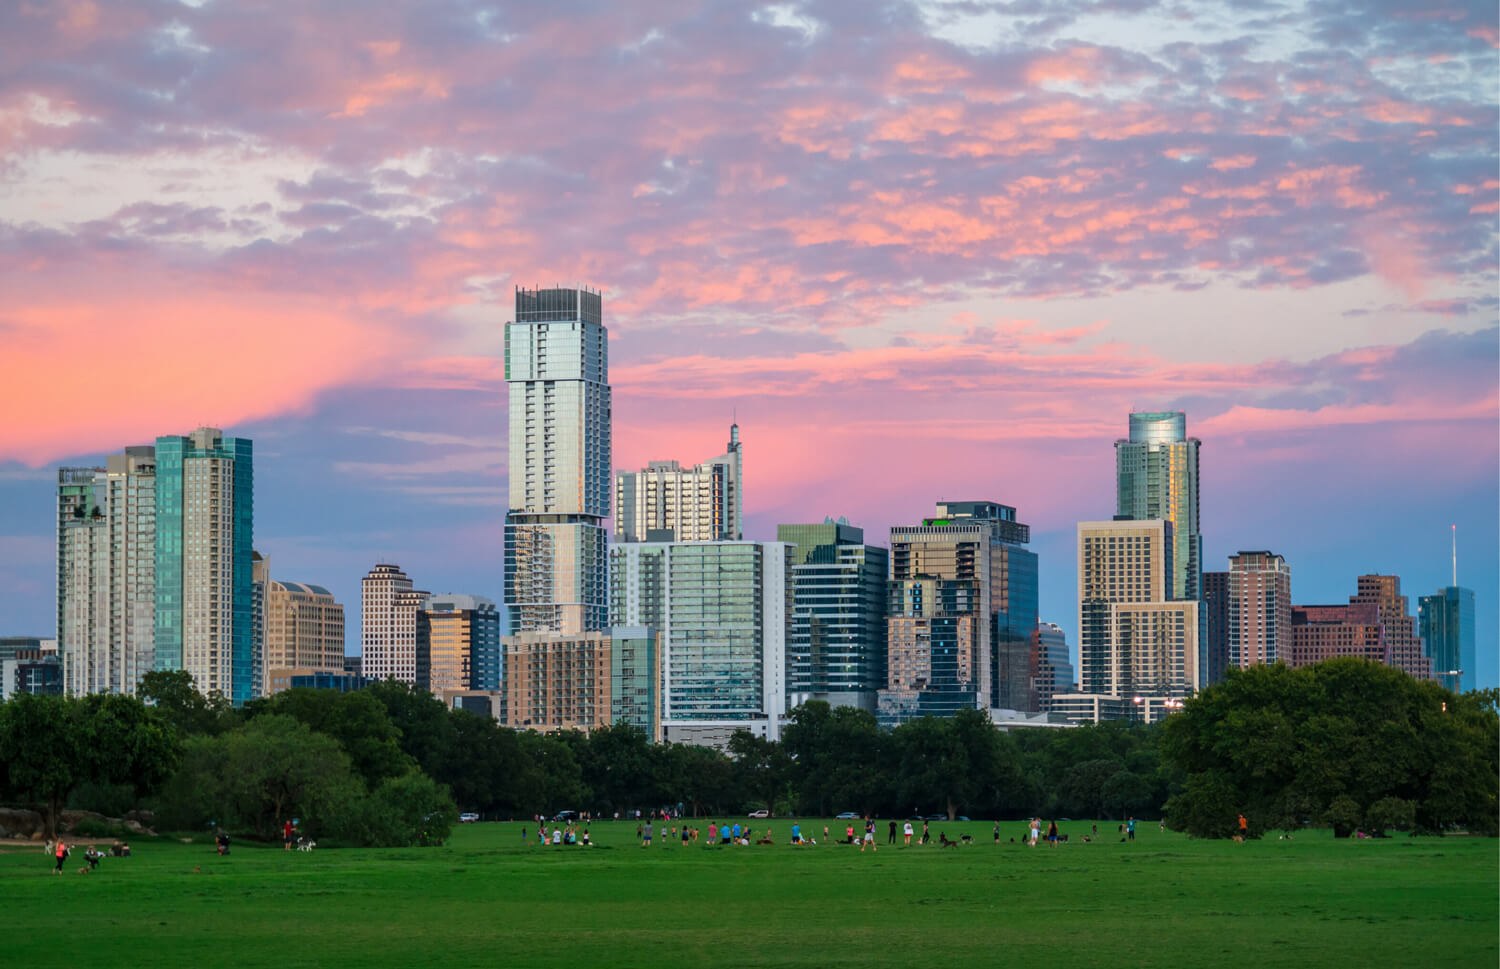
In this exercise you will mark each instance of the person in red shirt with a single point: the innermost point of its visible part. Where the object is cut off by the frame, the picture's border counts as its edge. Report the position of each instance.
(286, 836)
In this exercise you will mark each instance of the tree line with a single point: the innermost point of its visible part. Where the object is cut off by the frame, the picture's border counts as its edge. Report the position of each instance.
(1346, 743)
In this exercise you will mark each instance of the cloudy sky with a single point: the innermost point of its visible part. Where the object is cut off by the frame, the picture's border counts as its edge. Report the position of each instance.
(921, 251)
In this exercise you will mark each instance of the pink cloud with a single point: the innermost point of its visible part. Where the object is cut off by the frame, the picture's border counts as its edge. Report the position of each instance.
(137, 354)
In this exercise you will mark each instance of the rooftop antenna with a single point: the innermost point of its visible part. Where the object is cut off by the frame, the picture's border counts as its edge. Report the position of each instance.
(1454, 528)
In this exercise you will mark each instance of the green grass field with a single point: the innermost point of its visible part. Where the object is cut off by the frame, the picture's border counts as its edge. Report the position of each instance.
(485, 900)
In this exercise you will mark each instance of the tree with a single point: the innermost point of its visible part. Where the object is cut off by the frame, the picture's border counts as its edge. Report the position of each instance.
(1315, 740)
(763, 766)
(402, 812)
(956, 762)
(275, 768)
(358, 721)
(173, 694)
(51, 744)
(43, 747)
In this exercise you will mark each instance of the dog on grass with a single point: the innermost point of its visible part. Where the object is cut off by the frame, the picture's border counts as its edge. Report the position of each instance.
(306, 844)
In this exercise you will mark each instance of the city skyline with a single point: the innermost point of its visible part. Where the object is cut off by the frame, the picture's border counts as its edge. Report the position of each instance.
(916, 257)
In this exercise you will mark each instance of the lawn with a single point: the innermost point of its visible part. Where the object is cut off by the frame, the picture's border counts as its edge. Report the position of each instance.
(487, 900)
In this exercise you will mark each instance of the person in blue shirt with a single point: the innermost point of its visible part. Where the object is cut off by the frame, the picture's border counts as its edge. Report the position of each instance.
(1130, 828)
(736, 831)
(796, 834)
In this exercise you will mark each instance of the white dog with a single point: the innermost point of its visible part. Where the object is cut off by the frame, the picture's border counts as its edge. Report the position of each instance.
(306, 844)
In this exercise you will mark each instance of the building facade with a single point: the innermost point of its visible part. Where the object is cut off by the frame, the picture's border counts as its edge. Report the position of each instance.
(635, 678)
(1156, 478)
(458, 644)
(1260, 608)
(556, 544)
(204, 621)
(665, 502)
(388, 624)
(304, 630)
(1445, 621)
(1376, 625)
(106, 572)
(1052, 668)
(1215, 627)
(1137, 647)
(837, 649)
(723, 610)
(556, 681)
(980, 543)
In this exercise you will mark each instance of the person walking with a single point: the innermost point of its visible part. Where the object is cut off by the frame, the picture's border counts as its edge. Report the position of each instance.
(997, 832)
(907, 832)
(1130, 829)
(1034, 832)
(1052, 834)
(891, 839)
(286, 835)
(925, 837)
(1244, 828)
(62, 856)
(869, 840)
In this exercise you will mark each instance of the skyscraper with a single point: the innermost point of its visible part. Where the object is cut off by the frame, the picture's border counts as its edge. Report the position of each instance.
(458, 644)
(1260, 608)
(837, 649)
(83, 581)
(203, 594)
(1156, 478)
(106, 572)
(665, 502)
(1137, 648)
(556, 552)
(980, 543)
(723, 610)
(388, 624)
(1446, 621)
(1052, 669)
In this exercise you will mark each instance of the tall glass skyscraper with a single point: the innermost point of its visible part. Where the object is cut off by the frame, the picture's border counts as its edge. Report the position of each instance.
(1156, 478)
(556, 543)
(1446, 622)
(982, 544)
(723, 610)
(837, 649)
(204, 599)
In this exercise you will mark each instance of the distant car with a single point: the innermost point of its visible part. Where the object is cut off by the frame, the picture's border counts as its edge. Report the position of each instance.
(962, 817)
(762, 813)
(468, 817)
(935, 817)
(847, 816)
(567, 817)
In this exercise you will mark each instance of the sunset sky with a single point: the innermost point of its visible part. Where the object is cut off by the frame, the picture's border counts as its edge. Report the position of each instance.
(920, 251)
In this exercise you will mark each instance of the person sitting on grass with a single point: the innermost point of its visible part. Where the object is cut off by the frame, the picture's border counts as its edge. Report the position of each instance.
(93, 856)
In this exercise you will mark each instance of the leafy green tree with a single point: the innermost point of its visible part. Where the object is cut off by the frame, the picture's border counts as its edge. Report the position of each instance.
(763, 767)
(173, 694)
(402, 812)
(357, 720)
(275, 768)
(49, 745)
(43, 746)
(1344, 732)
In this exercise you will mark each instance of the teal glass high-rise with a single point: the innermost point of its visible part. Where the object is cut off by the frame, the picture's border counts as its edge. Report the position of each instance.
(1156, 477)
(204, 530)
(1446, 622)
